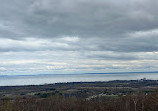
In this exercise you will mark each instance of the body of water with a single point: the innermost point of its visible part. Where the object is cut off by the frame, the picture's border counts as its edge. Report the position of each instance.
(56, 78)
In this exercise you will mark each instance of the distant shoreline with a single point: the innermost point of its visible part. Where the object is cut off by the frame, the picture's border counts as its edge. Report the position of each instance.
(82, 82)
(76, 73)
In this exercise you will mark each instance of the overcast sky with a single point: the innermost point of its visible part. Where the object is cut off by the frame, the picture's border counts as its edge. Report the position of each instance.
(78, 36)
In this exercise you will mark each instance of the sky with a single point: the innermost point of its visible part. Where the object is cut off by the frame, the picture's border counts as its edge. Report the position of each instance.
(78, 36)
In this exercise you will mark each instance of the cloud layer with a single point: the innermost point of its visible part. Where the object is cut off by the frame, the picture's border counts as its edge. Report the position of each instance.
(58, 36)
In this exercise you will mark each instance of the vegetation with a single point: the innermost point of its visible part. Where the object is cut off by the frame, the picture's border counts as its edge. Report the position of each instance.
(138, 102)
(82, 96)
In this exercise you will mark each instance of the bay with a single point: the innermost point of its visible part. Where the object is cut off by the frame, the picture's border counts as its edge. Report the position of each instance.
(13, 80)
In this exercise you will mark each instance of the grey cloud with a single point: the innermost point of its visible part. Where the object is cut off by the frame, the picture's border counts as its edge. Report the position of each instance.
(113, 57)
(79, 30)
(87, 19)
(130, 44)
(51, 18)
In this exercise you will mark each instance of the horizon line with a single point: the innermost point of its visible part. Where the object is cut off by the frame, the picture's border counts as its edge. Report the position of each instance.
(79, 73)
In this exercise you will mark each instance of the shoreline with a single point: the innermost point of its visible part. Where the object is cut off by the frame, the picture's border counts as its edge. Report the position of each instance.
(77, 82)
